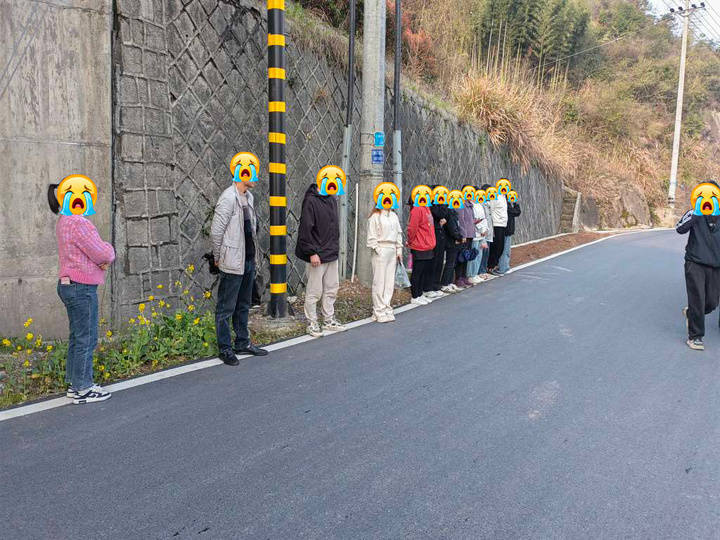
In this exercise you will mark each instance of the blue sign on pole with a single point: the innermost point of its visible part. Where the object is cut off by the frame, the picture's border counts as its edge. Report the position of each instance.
(379, 139)
(377, 156)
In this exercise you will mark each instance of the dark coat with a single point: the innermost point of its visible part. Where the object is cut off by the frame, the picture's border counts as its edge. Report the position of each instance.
(452, 227)
(703, 245)
(513, 212)
(319, 230)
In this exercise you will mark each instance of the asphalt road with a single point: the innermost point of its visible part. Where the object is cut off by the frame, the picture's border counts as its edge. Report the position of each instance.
(557, 402)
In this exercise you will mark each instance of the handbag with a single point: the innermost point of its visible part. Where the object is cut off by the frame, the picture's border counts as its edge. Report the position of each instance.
(401, 276)
(467, 255)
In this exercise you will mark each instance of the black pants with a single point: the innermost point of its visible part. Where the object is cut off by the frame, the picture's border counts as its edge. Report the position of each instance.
(496, 247)
(703, 291)
(438, 259)
(233, 301)
(421, 276)
(451, 251)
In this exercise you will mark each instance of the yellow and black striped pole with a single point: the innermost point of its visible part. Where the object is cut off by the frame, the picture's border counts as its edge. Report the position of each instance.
(277, 167)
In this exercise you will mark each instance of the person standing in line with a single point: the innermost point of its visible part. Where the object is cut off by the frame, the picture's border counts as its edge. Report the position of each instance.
(318, 244)
(702, 260)
(452, 246)
(83, 259)
(439, 212)
(385, 240)
(421, 241)
(479, 244)
(233, 236)
(513, 212)
(466, 219)
(500, 219)
(485, 255)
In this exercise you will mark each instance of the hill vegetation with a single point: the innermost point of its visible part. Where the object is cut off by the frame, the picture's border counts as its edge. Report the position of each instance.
(585, 89)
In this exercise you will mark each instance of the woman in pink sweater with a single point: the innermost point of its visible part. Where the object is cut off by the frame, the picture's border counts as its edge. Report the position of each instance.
(84, 258)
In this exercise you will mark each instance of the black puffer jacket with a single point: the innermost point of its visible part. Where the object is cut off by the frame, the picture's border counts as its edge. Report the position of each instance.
(319, 230)
(703, 245)
(513, 212)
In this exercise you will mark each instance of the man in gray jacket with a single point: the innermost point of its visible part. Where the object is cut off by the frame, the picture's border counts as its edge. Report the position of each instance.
(233, 235)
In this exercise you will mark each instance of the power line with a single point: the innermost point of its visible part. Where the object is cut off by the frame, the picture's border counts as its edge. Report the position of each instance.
(590, 48)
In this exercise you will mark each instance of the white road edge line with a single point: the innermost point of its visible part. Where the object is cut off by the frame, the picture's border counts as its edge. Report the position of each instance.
(25, 410)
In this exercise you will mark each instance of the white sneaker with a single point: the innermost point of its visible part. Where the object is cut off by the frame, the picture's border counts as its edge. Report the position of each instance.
(333, 325)
(419, 301)
(91, 395)
(433, 294)
(314, 329)
(447, 289)
(455, 287)
(440, 294)
(428, 298)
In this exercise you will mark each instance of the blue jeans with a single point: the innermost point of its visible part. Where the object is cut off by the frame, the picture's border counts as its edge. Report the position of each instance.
(504, 261)
(484, 260)
(81, 303)
(234, 298)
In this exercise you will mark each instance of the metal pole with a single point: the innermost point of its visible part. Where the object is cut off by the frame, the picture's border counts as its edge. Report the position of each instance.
(347, 143)
(679, 107)
(373, 117)
(397, 134)
(277, 167)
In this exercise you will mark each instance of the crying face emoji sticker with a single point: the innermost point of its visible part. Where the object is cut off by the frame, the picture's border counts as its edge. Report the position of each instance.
(468, 193)
(386, 196)
(421, 196)
(503, 186)
(77, 195)
(455, 199)
(512, 196)
(705, 199)
(440, 195)
(245, 167)
(331, 180)
(480, 196)
(491, 193)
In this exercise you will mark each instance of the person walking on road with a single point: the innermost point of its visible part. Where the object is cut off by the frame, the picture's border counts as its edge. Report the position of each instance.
(702, 260)
(386, 242)
(83, 259)
(233, 236)
(318, 244)
(513, 210)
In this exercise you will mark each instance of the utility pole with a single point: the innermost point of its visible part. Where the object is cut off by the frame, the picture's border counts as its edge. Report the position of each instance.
(373, 120)
(397, 133)
(685, 13)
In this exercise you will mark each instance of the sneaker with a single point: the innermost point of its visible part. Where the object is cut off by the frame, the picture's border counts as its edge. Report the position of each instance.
(427, 297)
(455, 288)
(448, 289)
(475, 280)
(440, 294)
(386, 318)
(71, 393)
(333, 325)
(314, 329)
(228, 358)
(696, 344)
(251, 349)
(92, 395)
(419, 301)
(432, 294)
(496, 273)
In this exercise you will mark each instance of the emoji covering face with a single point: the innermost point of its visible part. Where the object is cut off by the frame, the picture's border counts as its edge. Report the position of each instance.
(455, 199)
(491, 193)
(468, 193)
(77, 195)
(440, 195)
(421, 196)
(504, 186)
(705, 199)
(245, 166)
(386, 196)
(512, 196)
(331, 180)
(480, 196)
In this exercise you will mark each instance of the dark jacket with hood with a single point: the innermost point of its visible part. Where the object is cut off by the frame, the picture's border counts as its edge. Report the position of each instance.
(513, 212)
(703, 245)
(319, 230)
(452, 227)
(439, 212)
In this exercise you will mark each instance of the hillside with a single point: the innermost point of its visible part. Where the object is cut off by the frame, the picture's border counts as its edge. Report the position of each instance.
(585, 89)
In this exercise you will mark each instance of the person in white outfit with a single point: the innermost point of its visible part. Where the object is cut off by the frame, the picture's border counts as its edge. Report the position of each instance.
(479, 243)
(386, 242)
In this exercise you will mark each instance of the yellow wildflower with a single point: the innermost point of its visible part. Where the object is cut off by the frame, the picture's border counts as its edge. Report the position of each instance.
(6, 342)
(191, 268)
(178, 316)
(208, 294)
(19, 348)
(29, 351)
(102, 322)
(49, 348)
(28, 322)
(124, 351)
(161, 303)
(167, 306)
(154, 314)
(106, 375)
(131, 321)
(29, 336)
(101, 368)
(160, 286)
(108, 333)
(102, 348)
(38, 342)
(178, 284)
(191, 308)
(205, 344)
(186, 292)
(26, 363)
(151, 298)
(196, 321)
(141, 308)
(192, 298)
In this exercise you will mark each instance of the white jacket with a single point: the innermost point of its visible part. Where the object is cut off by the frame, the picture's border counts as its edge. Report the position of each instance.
(481, 228)
(384, 231)
(499, 211)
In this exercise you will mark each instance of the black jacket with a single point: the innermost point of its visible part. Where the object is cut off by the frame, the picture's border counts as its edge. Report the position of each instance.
(452, 227)
(319, 230)
(703, 246)
(438, 212)
(513, 212)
